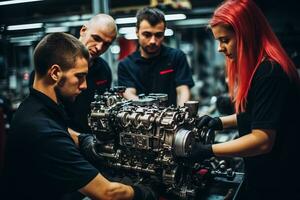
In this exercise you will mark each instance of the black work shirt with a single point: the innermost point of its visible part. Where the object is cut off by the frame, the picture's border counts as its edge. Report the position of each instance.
(99, 80)
(273, 103)
(42, 161)
(159, 74)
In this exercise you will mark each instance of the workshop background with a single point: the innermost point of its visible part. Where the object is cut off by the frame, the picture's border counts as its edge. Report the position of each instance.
(24, 23)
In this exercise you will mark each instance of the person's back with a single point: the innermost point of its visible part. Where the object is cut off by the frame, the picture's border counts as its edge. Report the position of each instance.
(36, 138)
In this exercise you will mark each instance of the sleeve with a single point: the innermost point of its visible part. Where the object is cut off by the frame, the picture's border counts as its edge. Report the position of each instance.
(124, 76)
(183, 74)
(269, 94)
(61, 163)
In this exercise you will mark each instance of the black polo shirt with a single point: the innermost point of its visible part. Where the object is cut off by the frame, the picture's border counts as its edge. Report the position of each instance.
(159, 74)
(99, 80)
(41, 160)
(273, 103)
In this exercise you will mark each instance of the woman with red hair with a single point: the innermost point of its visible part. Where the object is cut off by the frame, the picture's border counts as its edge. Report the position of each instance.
(264, 86)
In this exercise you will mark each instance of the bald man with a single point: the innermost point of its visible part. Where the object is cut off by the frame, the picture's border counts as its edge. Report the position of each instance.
(97, 35)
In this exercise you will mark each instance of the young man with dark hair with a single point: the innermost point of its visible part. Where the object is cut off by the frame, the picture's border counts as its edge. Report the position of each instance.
(97, 35)
(155, 68)
(42, 158)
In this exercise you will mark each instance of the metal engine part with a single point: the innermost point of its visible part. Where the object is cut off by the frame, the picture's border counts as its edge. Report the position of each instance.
(143, 137)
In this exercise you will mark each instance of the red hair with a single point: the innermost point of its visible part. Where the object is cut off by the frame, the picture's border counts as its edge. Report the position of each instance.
(255, 41)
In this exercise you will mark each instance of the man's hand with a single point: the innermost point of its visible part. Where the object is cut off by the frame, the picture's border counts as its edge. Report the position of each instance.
(88, 146)
(209, 122)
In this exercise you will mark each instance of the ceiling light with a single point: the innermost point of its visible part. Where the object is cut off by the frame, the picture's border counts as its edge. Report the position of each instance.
(126, 20)
(4, 3)
(169, 17)
(56, 29)
(24, 26)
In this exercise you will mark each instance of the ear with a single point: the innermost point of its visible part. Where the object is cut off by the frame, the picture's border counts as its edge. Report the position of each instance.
(55, 72)
(137, 33)
(82, 30)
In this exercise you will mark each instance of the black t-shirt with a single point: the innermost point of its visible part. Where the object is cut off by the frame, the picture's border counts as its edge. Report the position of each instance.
(273, 102)
(41, 160)
(160, 74)
(99, 80)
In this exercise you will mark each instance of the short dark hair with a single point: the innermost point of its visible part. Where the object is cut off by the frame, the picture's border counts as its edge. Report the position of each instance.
(58, 48)
(152, 15)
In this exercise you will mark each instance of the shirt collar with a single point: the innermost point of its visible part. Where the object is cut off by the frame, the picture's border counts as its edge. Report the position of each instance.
(57, 109)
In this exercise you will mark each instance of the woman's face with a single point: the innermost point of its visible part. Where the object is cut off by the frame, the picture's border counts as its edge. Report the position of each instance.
(227, 41)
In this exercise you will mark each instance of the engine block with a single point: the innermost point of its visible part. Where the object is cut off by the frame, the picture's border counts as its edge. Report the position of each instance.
(144, 137)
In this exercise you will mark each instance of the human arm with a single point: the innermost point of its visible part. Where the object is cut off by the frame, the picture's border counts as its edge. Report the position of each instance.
(259, 141)
(130, 93)
(229, 121)
(183, 94)
(100, 188)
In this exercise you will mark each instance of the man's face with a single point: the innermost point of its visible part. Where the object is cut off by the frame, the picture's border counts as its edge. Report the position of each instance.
(150, 38)
(96, 38)
(73, 81)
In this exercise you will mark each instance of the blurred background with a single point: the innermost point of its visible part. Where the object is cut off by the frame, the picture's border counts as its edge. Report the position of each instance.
(24, 23)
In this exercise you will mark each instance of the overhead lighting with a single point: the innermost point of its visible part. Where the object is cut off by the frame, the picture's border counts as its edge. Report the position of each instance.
(125, 30)
(131, 20)
(171, 17)
(24, 39)
(56, 29)
(4, 3)
(24, 26)
(126, 20)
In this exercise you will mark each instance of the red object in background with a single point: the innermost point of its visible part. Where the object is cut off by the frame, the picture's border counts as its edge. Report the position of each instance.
(126, 47)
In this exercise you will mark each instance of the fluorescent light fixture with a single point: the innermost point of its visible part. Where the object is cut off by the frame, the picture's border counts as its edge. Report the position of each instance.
(131, 20)
(171, 17)
(4, 3)
(24, 39)
(125, 30)
(56, 29)
(132, 35)
(193, 22)
(24, 26)
(126, 20)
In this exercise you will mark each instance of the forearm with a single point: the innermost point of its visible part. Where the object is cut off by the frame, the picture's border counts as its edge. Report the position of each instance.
(183, 94)
(101, 188)
(229, 121)
(74, 135)
(255, 143)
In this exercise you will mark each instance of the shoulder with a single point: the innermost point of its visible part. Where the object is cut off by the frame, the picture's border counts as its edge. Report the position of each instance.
(100, 64)
(269, 69)
(128, 62)
(172, 51)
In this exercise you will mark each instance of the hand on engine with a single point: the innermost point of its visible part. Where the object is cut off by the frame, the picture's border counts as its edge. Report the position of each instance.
(87, 146)
(214, 123)
(200, 152)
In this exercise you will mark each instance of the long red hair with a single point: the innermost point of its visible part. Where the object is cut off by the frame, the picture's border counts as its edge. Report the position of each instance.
(255, 41)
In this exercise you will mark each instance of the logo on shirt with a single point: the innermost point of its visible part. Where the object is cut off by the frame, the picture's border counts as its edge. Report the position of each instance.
(101, 82)
(167, 71)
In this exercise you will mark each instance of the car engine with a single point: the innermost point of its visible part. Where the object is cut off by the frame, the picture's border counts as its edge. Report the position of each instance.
(145, 138)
